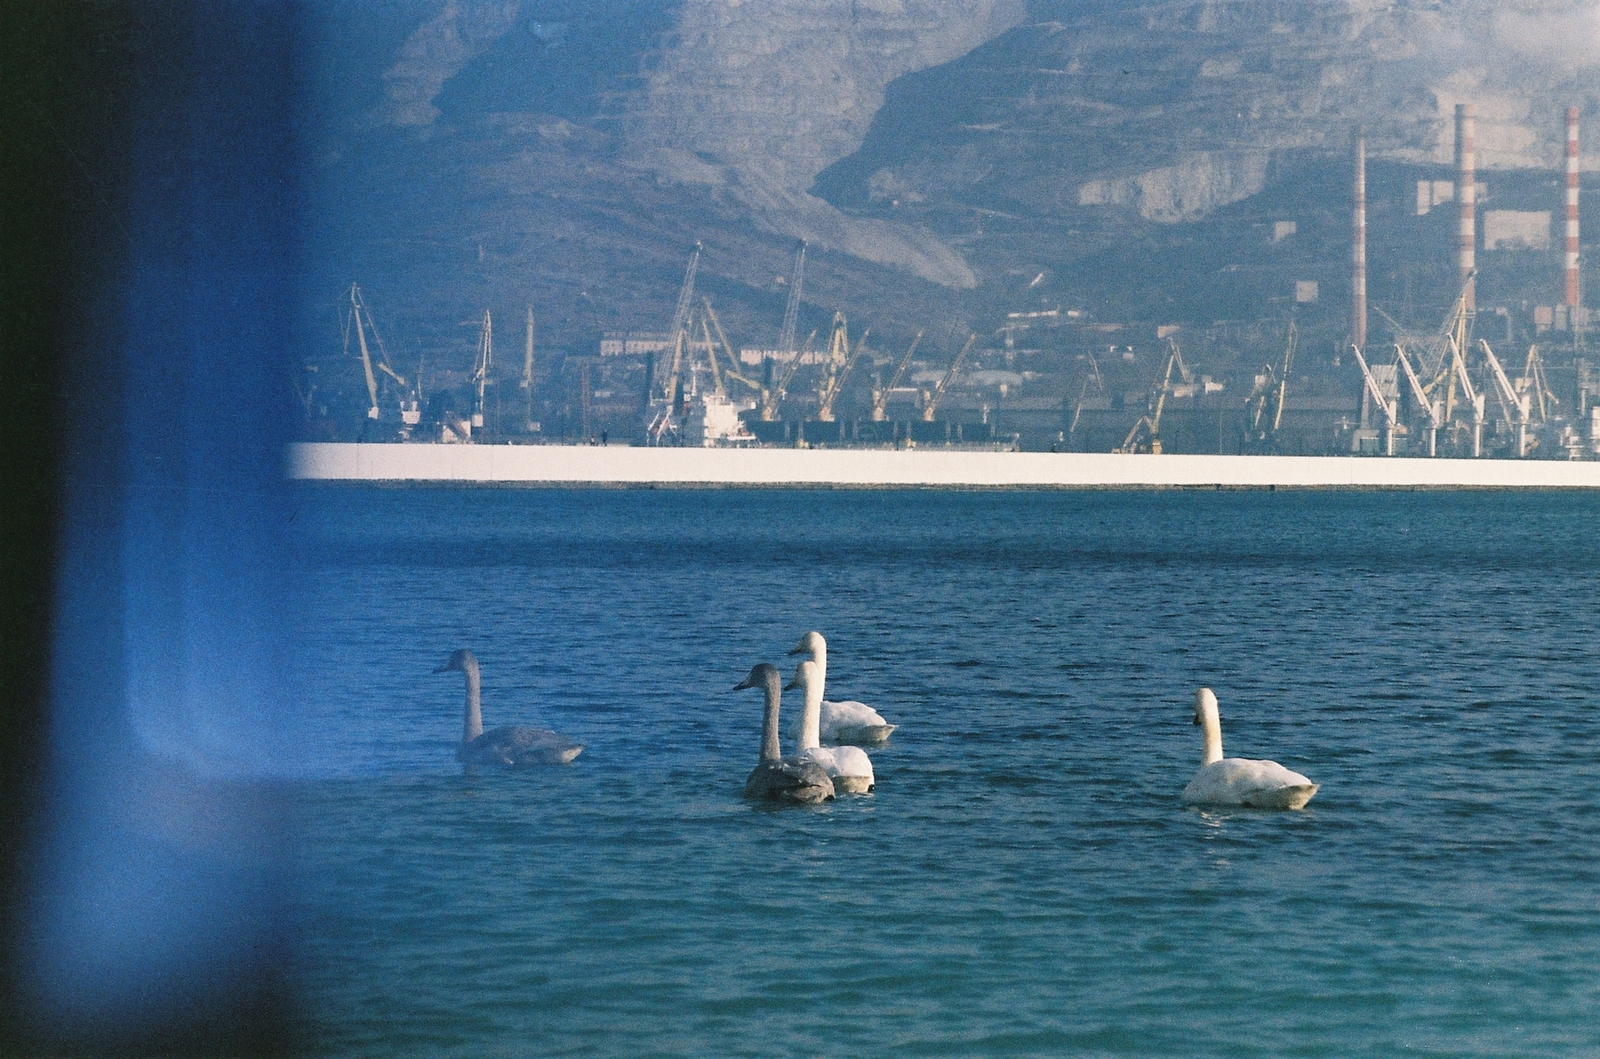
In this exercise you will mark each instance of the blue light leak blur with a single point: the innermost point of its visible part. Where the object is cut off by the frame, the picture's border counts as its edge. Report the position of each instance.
(157, 906)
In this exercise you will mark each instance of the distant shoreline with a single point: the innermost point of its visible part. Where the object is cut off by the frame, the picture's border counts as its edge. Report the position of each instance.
(620, 466)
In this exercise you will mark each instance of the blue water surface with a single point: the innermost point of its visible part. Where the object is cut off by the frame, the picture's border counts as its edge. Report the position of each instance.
(1024, 881)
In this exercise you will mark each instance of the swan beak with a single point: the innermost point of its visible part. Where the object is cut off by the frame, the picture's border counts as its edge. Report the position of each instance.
(795, 683)
(743, 684)
(443, 669)
(1196, 721)
(799, 650)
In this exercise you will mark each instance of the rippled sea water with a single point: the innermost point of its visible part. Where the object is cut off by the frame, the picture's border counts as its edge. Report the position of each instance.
(1024, 880)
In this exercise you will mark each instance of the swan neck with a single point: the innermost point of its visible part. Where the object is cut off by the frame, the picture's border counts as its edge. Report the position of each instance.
(770, 750)
(1211, 729)
(472, 723)
(811, 716)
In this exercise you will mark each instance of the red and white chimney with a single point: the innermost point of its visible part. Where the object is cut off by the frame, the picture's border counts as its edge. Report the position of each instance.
(1467, 195)
(1572, 207)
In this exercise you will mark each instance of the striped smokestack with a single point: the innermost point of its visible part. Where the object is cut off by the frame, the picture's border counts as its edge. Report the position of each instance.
(1572, 206)
(1358, 251)
(1467, 193)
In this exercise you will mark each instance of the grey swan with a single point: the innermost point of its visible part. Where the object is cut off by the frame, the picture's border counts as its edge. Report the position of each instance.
(847, 723)
(774, 779)
(510, 745)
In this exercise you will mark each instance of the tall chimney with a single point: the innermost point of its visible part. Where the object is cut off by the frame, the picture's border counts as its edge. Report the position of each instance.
(1358, 251)
(1572, 207)
(1467, 194)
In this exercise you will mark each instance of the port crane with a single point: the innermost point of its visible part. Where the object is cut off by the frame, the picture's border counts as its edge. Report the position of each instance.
(359, 319)
(1533, 379)
(480, 373)
(1272, 387)
(666, 405)
(526, 384)
(1420, 396)
(1094, 376)
(1514, 406)
(678, 334)
(880, 400)
(1474, 399)
(1390, 411)
(1151, 422)
(791, 308)
(773, 397)
(931, 405)
(731, 371)
(840, 348)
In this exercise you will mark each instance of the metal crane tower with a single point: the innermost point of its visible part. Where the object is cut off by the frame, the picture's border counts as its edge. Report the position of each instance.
(791, 311)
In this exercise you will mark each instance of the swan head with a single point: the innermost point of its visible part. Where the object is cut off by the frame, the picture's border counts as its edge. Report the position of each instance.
(459, 660)
(811, 643)
(761, 675)
(805, 674)
(1205, 702)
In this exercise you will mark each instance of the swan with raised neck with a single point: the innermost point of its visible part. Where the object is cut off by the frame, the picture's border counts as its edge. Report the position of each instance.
(1239, 781)
(511, 745)
(777, 779)
(841, 723)
(847, 766)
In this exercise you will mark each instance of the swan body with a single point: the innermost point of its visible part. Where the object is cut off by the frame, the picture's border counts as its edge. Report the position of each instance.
(847, 766)
(775, 779)
(510, 745)
(1239, 781)
(841, 723)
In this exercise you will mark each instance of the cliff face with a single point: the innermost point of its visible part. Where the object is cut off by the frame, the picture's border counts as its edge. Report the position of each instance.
(1173, 110)
(759, 97)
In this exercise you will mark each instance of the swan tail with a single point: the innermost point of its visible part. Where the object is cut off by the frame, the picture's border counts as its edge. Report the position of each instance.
(1294, 796)
(861, 734)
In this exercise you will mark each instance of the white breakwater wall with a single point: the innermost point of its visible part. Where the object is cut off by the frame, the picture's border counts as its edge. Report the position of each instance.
(574, 465)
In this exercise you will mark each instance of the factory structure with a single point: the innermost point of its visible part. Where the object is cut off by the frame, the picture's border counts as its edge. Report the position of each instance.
(1502, 378)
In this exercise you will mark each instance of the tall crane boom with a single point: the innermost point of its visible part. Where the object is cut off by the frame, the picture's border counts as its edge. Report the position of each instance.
(1152, 421)
(731, 371)
(1420, 396)
(358, 309)
(485, 362)
(880, 405)
(1509, 398)
(791, 309)
(830, 392)
(1283, 377)
(772, 398)
(680, 322)
(1093, 375)
(711, 357)
(949, 376)
(527, 355)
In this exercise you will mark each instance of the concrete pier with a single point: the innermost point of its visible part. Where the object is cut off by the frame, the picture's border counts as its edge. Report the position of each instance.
(579, 465)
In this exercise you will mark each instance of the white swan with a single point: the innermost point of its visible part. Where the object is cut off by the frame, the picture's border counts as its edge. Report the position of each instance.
(775, 779)
(1239, 781)
(849, 722)
(512, 745)
(847, 766)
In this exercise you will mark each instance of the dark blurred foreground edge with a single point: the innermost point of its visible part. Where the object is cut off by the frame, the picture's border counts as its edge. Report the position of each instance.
(146, 259)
